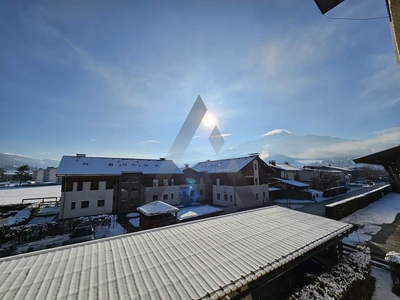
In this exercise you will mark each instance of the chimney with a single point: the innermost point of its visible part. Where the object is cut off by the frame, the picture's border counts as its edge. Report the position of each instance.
(186, 165)
(80, 155)
(272, 162)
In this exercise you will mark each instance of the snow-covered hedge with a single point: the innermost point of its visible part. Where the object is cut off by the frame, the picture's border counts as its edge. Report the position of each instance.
(394, 260)
(393, 257)
(335, 284)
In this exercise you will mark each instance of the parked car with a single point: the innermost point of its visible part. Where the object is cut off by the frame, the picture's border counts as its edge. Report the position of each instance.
(82, 234)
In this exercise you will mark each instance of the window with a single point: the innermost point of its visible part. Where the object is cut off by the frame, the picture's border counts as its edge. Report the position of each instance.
(155, 197)
(102, 185)
(201, 192)
(165, 196)
(264, 195)
(231, 198)
(256, 196)
(155, 182)
(165, 182)
(74, 186)
(85, 204)
(191, 192)
(255, 181)
(255, 166)
(172, 181)
(218, 196)
(100, 203)
(217, 181)
(226, 197)
(86, 186)
(73, 205)
(172, 196)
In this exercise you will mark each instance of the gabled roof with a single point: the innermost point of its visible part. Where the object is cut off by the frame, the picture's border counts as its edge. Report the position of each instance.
(208, 258)
(285, 167)
(292, 182)
(157, 208)
(232, 165)
(82, 165)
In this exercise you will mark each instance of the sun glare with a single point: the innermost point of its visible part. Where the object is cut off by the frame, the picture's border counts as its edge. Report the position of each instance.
(209, 120)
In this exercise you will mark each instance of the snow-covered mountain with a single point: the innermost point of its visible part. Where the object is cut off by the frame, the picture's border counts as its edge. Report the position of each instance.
(8, 160)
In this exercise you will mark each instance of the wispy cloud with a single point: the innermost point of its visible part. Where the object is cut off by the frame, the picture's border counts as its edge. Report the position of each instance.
(381, 140)
(150, 142)
(221, 135)
(93, 140)
(391, 102)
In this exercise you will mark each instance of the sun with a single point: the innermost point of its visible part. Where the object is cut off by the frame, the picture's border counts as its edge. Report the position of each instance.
(209, 120)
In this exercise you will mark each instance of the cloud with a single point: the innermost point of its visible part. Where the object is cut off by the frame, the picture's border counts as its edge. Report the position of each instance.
(93, 140)
(391, 102)
(276, 131)
(382, 140)
(150, 142)
(221, 135)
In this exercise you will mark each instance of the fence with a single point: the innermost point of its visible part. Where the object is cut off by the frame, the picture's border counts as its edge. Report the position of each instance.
(348, 206)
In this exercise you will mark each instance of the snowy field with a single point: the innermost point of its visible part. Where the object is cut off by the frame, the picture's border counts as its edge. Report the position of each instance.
(370, 218)
(13, 195)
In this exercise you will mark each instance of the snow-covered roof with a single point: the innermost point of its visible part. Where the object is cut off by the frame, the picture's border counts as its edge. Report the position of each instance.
(82, 165)
(292, 182)
(232, 165)
(197, 211)
(285, 167)
(201, 259)
(157, 208)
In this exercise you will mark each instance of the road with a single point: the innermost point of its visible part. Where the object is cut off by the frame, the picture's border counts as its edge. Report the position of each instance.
(318, 208)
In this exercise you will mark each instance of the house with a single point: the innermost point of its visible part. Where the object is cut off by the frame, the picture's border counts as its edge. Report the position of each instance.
(99, 185)
(45, 175)
(240, 182)
(332, 176)
(285, 170)
(193, 187)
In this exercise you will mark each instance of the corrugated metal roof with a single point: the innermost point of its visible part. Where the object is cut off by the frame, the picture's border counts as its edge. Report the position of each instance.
(201, 259)
(223, 166)
(81, 165)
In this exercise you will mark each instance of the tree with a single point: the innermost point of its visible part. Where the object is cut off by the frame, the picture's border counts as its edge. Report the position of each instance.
(22, 173)
(324, 180)
(1, 174)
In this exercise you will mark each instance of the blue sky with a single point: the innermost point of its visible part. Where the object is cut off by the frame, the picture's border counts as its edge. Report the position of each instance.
(119, 78)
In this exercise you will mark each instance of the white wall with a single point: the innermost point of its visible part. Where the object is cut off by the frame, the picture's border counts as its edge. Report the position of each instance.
(242, 196)
(78, 196)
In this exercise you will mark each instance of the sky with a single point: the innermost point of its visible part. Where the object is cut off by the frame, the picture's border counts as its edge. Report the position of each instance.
(119, 78)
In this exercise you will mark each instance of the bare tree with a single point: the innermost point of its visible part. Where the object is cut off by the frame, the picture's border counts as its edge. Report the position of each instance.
(324, 180)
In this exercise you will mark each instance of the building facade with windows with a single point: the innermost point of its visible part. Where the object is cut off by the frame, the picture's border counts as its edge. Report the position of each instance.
(99, 185)
(45, 175)
(240, 182)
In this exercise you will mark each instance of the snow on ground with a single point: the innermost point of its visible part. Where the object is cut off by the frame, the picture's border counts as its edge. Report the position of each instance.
(20, 216)
(16, 194)
(105, 231)
(133, 215)
(371, 217)
(383, 287)
(134, 222)
(48, 210)
(196, 211)
(42, 220)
